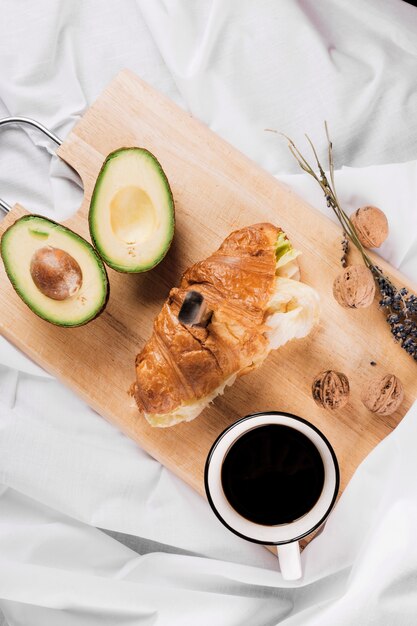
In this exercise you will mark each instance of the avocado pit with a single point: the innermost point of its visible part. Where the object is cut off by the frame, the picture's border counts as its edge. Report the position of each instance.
(55, 273)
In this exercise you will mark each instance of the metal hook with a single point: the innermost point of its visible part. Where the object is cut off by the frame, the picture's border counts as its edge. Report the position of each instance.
(5, 206)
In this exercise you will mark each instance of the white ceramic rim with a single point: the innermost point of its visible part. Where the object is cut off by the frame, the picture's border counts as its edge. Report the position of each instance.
(284, 533)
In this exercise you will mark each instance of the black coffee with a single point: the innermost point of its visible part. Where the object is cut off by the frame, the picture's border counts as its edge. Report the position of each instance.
(272, 475)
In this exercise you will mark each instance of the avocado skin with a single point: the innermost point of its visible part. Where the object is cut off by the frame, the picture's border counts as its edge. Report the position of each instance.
(101, 252)
(27, 218)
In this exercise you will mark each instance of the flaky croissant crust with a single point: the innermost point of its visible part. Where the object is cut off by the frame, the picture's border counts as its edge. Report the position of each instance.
(180, 364)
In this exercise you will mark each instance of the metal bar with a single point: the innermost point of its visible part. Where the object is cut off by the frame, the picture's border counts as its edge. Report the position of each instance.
(5, 206)
(27, 120)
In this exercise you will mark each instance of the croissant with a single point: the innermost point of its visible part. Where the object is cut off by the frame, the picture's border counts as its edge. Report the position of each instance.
(251, 286)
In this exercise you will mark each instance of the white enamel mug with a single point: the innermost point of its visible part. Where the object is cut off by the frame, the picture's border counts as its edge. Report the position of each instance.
(286, 536)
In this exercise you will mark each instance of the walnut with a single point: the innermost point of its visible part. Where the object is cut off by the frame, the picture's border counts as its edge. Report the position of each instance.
(371, 226)
(383, 394)
(330, 389)
(354, 288)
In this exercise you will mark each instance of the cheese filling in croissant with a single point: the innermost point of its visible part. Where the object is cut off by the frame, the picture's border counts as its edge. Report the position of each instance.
(252, 286)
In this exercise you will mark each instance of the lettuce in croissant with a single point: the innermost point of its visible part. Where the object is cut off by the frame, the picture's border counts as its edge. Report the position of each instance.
(251, 284)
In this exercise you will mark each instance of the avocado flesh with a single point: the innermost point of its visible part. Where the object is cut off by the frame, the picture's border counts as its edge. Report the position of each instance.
(18, 245)
(131, 214)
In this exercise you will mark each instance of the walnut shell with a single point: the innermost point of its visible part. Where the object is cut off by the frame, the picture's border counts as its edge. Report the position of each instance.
(383, 394)
(330, 389)
(371, 226)
(354, 288)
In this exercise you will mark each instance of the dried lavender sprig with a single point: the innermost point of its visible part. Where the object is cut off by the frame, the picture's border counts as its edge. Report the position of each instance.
(401, 306)
(329, 191)
(345, 249)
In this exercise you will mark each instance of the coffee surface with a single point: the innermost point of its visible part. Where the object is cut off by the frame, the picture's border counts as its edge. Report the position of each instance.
(272, 475)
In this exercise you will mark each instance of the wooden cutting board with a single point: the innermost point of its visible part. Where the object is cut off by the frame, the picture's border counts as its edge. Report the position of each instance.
(216, 190)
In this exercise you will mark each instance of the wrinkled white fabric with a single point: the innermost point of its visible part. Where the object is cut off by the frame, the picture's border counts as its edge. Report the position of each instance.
(240, 67)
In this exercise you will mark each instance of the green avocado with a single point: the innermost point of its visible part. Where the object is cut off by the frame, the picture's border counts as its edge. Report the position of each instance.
(56, 272)
(131, 214)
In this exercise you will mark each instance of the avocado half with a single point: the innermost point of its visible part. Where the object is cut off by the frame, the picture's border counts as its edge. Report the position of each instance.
(27, 239)
(131, 214)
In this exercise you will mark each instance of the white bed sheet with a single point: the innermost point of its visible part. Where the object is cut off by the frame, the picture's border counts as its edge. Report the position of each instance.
(240, 67)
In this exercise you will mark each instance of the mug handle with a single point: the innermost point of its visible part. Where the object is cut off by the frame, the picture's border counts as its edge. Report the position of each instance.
(290, 560)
